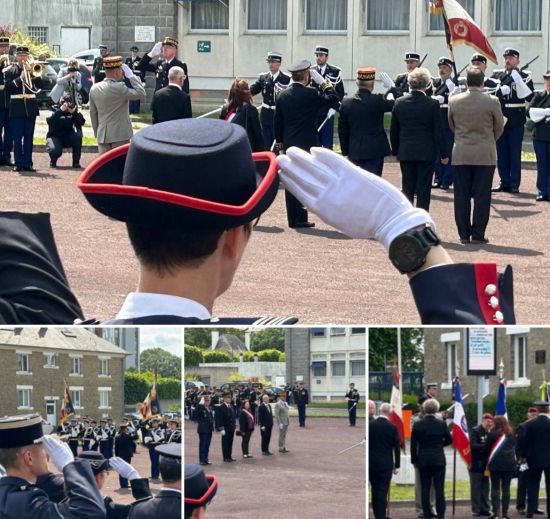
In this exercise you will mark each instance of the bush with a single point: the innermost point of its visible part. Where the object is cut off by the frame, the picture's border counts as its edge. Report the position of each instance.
(269, 355)
(217, 356)
(138, 385)
(193, 356)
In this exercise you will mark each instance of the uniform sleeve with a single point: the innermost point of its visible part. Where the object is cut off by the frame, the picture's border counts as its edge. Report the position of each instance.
(186, 86)
(187, 109)
(343, 131)
(278, 123)
(140, 488)
(137, 91)
(440, 140)
(93, 113)
(153, 108)
(145, 64)
(394, 130)
(256, 87)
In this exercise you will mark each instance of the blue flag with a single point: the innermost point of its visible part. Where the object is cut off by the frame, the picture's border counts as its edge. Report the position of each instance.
(501, 399)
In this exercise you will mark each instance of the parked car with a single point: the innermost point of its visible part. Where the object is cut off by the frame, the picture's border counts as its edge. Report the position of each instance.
(83, 96)
(49, 78)
(273, 392)
(192, 384)
(87, 56)
(229, 386)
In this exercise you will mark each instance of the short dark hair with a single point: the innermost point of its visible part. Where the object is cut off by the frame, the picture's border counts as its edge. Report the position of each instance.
(299, 75)
(8, 457)
(475, 77)
(170, 472)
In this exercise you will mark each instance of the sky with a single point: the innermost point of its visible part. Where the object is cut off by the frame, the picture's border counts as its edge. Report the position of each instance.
(167, 338)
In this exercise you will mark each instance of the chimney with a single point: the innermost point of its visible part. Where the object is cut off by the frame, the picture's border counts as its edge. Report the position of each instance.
(247, 340)
(215, 338)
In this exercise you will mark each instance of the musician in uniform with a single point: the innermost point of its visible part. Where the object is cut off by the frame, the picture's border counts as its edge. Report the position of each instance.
(133, 62)
(296, 122)
(6, 141)
(104, 439)
(332, 74)
(539, 112)
(200, 489)
(98, 71)
(269, 84)
(74, 432)
(173, 434)
(168, 48)
(352, 398)
(153, 437)
(361, 125)
(87, 435)
(513, 104)
(22, 86)
(24, 452)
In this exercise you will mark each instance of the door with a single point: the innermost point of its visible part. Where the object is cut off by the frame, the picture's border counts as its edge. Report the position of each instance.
(51, 415)
(74, 39)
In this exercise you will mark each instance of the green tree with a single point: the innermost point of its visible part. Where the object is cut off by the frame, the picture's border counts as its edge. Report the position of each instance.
(383, 348)
(165, 363)
(270, 338)
(202, 337)
(192, 356)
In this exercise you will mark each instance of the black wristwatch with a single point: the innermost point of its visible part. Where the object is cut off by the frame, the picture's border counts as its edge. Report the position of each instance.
(409, 250)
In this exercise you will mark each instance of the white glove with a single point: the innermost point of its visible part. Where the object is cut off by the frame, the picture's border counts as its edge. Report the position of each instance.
(450, 85)
(156, 50)
(523, 467)
(505, 90)
(390, 97)
(395, 472)
(281, 426)
(547, 112)
(125, 470)
(128, 73)
(223, 433)
(331, 112)
(439, 99)
(316, 77)
(262, 428)
(516, 76)
(387, 81)
(59, 452)
(358, 203)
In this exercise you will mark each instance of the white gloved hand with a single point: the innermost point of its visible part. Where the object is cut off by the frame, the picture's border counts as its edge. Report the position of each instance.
(59, 452)
(395, 472)
(223, 432)
(523, 467)
(505, 90)
(547, 112)
(331, 112)
(439, 99)
(516, 76)
(281, 426)
(128, 73)
(450, 85)
(125, 470)
(316, 77)
(387, 81)
(358, 203)
(262, 428)
(390, 97)
(156, 50)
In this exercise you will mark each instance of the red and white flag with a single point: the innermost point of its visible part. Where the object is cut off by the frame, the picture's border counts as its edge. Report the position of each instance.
(461, 439)
(396, 401)
(460, 28)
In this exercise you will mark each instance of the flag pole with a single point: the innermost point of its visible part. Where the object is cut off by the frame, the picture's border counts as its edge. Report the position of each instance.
(400, 380)
(449, 43)
(454, 453)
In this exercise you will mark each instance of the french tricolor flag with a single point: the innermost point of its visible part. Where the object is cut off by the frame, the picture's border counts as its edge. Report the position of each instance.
(396, 415)
(461, 440)
(501, 399)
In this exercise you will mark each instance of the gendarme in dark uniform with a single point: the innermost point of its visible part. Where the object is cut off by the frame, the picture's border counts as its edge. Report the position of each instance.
(98, 72)
(6, 143)
(20, 498)
(302, 400)
(163, 65)
(412, 59)
(514, 109)
(352, 397)
(133, 62)
(269, 84)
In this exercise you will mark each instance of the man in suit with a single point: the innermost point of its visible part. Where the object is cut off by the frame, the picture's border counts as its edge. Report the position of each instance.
(269, 84)
(477, 122)
(225, 424)
(265, 420)
(6, 142)
(429, 436)
(133, 62)
(98, 71)
(416, 133)
(302, 401)
(513, 103)
(534, 450)
(384, 459)
(171, 102)
(283, 420)
(109, 104)
(332, 74)
(168, 48)
(361, 125)
(479, 481)
(523, 475)
(296, 116)
(200, 489)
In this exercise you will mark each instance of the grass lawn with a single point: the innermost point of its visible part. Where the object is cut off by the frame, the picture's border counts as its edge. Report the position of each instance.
(335, 405)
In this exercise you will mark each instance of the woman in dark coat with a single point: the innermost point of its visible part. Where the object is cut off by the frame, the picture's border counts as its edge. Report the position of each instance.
(501, 462)
(240, 110)
(246, 426)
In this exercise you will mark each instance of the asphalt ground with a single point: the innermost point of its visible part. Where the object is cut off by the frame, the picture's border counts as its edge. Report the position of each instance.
(311, 481)
(318, 275)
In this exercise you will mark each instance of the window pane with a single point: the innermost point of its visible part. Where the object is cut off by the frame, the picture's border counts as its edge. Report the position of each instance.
(210, 14)
(337, 331)
(436, 20)
(326, 15)
(317, 332)
(388, 15)
(38, 34)
(267, 15)
(518, 15)
(357, 368)
(338, 368)
(320, 372)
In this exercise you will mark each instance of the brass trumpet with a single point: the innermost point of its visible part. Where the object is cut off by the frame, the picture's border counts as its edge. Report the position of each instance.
(31, 70)
(4, 62)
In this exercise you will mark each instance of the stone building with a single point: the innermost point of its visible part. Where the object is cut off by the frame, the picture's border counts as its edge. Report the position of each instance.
(36, 363)
(126, 338)
(524, 352)
(218, 373)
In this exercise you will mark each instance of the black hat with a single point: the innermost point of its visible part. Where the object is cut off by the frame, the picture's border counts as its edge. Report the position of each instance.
(431, 385)
(22, 49)
(102, 46)
(478, 57)
(508, 51)
(189, 174)
(4, 40)
(412, 56)
(298, 66)
(199, 488)
(547, 75)
(133, 48)
(277, 57)
(321, 49)
(170, 453)
(541, 403)
(20, 430)
(445, 61)
(96, 459)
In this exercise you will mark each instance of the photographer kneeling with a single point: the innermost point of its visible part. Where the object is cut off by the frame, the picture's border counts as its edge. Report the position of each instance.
(65, 130)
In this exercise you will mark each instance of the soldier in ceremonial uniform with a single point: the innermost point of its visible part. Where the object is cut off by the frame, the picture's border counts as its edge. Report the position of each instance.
(22, 87)
(98, 71)
(205, 427)
(332, 74)
(6, 141)
(296, 122)
(302, 401)
(75, 433)
(480, 61)
(104, 439)
(523, 476)
(199, 491)
(361, 125)
(152, 438)
(24, 452)
(479, 481)
(133, 62)
(173, 434)
(88, 439)
(513, 103)
(269, 84)
(167, 503)
(400, 86)
(352, 398)
(168, 48)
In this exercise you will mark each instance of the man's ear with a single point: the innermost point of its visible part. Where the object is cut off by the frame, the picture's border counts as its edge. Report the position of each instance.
(234, 241)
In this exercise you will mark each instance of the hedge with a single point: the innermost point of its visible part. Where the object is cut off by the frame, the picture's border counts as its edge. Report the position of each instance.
(137, 385)
(193, 356)
(217, 356)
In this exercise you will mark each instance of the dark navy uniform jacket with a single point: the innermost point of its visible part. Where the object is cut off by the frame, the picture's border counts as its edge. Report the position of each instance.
(19, 499)
(161, 68)
(513, 108)
(14, 87)
(266, 85)
(166, 504)
(402, 86)
(541, 130)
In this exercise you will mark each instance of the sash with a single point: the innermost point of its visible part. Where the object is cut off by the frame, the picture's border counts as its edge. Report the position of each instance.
(496, 447)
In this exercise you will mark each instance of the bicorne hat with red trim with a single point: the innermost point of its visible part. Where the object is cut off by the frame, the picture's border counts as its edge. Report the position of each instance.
(189, 174)
(199, 488)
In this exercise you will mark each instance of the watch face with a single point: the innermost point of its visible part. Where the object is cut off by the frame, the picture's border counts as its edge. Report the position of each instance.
(407, 253)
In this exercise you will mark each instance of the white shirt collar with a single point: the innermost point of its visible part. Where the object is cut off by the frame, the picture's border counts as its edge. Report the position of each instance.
(174, 84)
(164, 489)
(323, 68)
(143, 304)
(276, 75)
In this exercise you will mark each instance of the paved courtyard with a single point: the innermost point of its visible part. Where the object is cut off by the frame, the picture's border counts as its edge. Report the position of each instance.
(318, 275)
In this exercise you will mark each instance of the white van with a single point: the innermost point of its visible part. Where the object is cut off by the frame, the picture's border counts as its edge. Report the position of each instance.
(87, 56)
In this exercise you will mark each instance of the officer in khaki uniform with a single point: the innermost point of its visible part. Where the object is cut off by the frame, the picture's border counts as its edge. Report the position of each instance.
(109, 104)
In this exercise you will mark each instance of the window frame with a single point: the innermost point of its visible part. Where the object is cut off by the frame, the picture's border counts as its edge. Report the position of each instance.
(437, 32)
(24, 390)
(360, 362)
(74, 392)
(47, 357)
(338, 32)
(106, 361)
(510, 32)
(516, 342)
(75, 360)
(107, 392)
(337, 361)
(248, 30)
(26, 356)
(451, 346)
(41, 28)
(192, 30)
(383, 32)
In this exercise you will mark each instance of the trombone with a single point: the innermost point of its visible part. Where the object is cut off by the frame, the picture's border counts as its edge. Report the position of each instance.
(31, 70)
